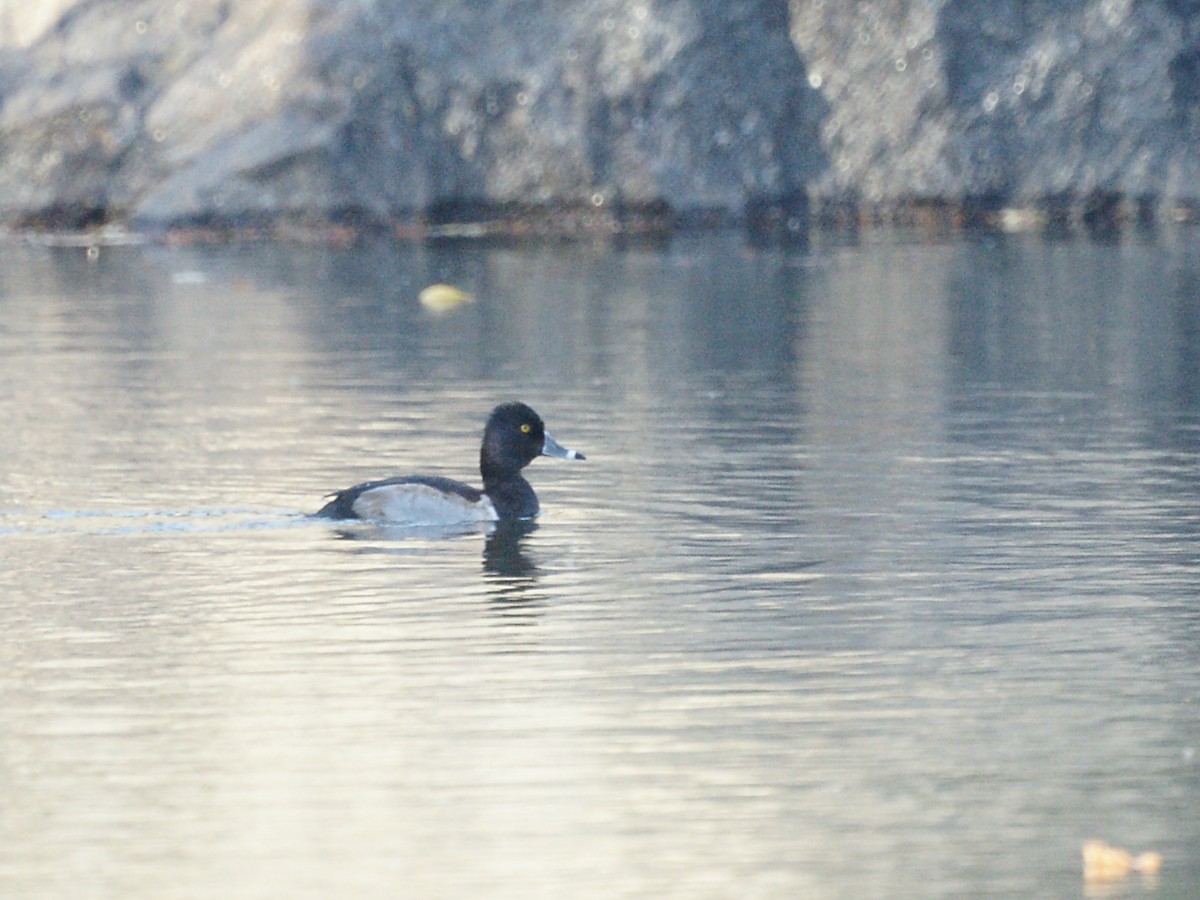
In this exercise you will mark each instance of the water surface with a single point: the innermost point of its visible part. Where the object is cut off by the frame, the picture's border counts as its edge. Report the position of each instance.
(880, 579)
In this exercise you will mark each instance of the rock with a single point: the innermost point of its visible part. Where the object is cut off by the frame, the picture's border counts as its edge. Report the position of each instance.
(207, 111)
(1025, 104)
(601, 114)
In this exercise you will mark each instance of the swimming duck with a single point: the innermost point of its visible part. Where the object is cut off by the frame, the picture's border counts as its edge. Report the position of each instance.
(513, 437)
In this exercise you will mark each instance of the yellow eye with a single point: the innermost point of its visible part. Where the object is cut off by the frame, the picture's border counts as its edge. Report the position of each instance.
(524, 428)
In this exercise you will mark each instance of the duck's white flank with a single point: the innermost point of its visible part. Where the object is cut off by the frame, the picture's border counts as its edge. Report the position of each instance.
(420, 504)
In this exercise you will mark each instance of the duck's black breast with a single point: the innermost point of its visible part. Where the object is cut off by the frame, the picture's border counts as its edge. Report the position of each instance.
(429, 499)
(512, 497)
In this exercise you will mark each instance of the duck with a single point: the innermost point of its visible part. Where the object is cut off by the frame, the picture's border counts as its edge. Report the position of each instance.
(513, 437)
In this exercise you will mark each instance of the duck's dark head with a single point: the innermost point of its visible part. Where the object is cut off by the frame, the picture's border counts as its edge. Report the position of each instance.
(513, 438)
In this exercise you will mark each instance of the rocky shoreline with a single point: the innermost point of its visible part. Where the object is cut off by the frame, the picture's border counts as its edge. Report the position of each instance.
(521, 118)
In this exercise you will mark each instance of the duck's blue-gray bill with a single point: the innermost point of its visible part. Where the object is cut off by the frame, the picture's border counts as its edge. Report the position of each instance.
(551, 447)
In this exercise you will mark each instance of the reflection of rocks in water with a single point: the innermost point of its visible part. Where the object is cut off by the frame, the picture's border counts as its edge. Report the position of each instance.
(511, 570)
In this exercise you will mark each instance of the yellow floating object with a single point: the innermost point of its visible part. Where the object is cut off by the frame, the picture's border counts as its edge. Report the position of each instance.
(1103, 862)
(1148, 863)
(440, 297)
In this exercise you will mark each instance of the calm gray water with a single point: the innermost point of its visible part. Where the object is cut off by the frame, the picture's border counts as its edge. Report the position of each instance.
(881, 579)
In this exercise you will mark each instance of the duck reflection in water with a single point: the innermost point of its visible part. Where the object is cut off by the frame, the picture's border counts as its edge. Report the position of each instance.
(505, 558)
